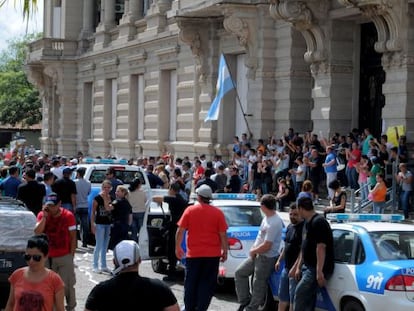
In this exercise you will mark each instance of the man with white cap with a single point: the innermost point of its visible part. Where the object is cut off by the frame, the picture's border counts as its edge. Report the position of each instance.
(206, 244)
(127, 290)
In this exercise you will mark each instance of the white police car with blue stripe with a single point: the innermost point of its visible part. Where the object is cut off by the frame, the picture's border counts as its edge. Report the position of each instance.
(374, 264)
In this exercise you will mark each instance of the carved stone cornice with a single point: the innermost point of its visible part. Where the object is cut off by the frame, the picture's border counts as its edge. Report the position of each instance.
(243, 28)
(191, 33)
(300, 16)
(385, 16)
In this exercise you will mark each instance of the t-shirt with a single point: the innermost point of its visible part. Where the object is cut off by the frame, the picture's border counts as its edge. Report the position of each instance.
(332, 168)
(102, 217)
(176, 205)
(203, 223)
(293, 242)
(270, 230)
(58, 230)
(64, 187)
(316, 231)
(35, 295)
(129, 291)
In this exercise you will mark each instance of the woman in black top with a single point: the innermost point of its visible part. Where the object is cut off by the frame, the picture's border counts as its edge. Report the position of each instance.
(338, 202)
(121, 216)
(101, 225)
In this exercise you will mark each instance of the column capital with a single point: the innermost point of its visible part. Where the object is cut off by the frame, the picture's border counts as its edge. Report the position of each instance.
(192, 34)
(386, 15)
(242, 28)
(300, 15)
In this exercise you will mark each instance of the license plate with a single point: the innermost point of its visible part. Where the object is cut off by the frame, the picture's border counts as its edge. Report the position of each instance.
(6, 263)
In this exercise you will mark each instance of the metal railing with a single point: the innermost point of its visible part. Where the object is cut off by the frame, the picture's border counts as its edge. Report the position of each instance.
(358, 206)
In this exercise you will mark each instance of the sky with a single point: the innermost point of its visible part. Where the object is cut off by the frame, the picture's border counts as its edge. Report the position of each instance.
(11, 21)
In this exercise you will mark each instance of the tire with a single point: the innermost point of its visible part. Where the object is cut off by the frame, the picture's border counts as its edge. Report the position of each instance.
(352, 305)
(159, 266)
(269, 303)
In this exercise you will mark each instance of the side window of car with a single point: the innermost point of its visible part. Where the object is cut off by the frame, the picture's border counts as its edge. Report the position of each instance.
(97, 176)
(343, 245)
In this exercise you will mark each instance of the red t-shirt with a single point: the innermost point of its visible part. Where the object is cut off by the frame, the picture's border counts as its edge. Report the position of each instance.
(35, 295)
(203, 223)
(58, 230)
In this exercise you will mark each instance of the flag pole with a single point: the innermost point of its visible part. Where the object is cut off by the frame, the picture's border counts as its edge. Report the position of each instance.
(238, 99)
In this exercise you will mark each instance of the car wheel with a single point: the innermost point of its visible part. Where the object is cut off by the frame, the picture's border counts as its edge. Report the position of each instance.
(269, 303)
(159, 266)
(352, 305)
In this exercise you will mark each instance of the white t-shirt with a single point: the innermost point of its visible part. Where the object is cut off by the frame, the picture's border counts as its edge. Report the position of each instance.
(270, 230)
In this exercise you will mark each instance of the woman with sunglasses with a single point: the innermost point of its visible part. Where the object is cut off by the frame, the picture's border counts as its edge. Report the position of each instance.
(36, 287)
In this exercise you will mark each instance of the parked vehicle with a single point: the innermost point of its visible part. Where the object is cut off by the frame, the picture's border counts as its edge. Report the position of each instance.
(16, 227)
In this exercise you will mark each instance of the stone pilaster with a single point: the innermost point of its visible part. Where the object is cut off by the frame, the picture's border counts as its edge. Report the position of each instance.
(102, 35)
(157, 16)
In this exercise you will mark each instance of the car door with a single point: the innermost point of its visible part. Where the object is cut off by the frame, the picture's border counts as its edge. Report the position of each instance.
(342, 281)
(153, 234)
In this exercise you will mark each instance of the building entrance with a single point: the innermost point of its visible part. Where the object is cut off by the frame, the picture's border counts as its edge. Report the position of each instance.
(372, 77)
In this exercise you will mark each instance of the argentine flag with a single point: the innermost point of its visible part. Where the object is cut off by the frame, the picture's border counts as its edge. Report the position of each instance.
(224, 84)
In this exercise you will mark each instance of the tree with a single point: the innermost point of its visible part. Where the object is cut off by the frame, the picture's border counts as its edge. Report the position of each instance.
(28, 6)
(19, 100)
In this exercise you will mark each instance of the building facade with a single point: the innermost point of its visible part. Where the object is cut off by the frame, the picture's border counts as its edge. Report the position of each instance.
(130, 78)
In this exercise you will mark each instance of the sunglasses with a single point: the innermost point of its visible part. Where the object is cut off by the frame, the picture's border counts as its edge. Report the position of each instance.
(37, 258)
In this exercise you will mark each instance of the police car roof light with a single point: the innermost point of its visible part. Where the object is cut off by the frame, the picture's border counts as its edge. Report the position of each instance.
(104, 161)
(235, 196)
(365, 217)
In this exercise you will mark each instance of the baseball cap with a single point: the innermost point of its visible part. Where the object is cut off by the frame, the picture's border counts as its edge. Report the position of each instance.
(205, 191)
(52, 199)
(74, 161)
(126, 254)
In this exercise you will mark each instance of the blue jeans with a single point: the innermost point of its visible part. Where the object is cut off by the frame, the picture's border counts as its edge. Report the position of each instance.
(364, 190)
(352, 177)
(83, 220)
(378, 207)
(405, 200)
(200, 282)
(287, 287)
(305, 293)
(102, 233)
(137, 221)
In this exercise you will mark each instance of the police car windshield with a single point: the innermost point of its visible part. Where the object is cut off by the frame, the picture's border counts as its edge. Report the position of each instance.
(393, 245)
(98, 176)
(242, 215)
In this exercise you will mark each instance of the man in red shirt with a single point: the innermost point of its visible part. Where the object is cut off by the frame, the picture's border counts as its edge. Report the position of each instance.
(60, 226)
(206, 245)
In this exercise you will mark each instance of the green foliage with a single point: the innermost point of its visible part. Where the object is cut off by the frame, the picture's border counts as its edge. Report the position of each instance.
(19, 100)
(28, 6)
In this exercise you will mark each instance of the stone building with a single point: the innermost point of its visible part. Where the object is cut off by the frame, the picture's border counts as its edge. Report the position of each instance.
(137, 77)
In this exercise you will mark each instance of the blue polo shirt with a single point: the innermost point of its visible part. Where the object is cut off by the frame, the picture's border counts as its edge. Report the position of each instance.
(330, 169)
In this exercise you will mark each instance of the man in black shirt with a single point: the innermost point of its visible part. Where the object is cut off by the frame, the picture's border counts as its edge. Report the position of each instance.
(31, 192)
(290, 253)
(176, 205)
(65, 188)
(316, 260)
(128, 290)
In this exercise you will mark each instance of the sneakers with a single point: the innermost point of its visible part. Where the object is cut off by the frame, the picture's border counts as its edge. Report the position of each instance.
(106, 270)
(95, 270)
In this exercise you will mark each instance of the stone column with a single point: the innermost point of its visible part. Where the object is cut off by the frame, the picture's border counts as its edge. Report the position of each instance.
(156, 16)
(48, 19)
(87, 22)
(103, 37)
(109, 13)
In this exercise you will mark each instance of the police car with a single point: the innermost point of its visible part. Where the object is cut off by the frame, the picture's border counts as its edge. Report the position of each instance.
(374, 264)
(243, 216)
(95, 172)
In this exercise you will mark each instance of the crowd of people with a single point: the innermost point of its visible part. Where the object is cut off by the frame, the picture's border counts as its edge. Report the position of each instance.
(293, 168)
